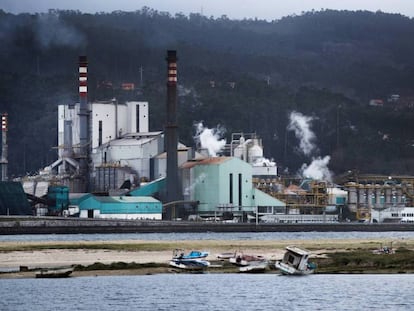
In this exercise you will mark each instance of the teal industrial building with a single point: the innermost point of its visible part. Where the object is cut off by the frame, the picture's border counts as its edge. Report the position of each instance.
(223, 186)
(120, 207)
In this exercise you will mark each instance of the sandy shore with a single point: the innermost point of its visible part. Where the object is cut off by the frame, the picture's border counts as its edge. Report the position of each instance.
(46, 255)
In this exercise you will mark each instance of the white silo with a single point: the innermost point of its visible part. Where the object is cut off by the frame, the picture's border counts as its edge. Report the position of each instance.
(240, 151)
(255, 151)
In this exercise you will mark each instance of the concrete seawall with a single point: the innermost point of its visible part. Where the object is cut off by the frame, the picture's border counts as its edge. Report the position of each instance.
(55, 225)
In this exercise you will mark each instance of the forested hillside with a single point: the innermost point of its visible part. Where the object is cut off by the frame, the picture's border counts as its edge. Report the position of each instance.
(244, 75)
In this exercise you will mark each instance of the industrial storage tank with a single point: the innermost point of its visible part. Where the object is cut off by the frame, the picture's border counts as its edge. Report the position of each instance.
(240, 150)
(255, 151)
(352, 196)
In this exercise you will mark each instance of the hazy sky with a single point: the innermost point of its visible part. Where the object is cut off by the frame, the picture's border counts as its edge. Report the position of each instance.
(234, 9)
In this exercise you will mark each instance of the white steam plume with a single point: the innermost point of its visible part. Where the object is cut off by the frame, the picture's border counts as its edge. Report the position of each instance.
(318, 169)
(210, 139)
(300, 124)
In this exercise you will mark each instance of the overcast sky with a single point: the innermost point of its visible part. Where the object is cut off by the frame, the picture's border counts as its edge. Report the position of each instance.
(234, 9)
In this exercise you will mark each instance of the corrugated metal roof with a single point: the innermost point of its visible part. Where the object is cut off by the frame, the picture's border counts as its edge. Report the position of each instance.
(206, 161)
(134, 139)
(130, 141)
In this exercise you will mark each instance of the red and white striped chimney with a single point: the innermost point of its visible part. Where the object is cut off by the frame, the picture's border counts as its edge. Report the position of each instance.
(4, 148)
(84, 140)
(83, 76)
(171, 132)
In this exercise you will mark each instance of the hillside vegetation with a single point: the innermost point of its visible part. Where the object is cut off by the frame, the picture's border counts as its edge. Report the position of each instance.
(327, 65)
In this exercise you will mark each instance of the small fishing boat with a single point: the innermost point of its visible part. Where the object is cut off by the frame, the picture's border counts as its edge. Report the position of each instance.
(226, 255)
(180, 254)
(255, 267)
(240, 259)
(193, 260)
(295, 262)
(54, 273)
(190, 264)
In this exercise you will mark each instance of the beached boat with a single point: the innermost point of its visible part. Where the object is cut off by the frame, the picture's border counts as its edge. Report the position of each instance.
(54, 273)
(180, 254)
(295, 262)
(190, 264)
(255, 267)
(226, 255)
(240, 259)
(193, 260)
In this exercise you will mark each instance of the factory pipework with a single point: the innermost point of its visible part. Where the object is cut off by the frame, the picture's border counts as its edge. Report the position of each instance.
(3, 161)
(83, 120)
(171, 135)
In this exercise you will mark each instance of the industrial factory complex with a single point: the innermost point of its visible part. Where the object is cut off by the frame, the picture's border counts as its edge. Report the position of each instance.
(110, 165)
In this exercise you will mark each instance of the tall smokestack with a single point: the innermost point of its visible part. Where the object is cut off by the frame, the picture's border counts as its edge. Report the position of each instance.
(4, 148)
(83, 120)
(171, 136)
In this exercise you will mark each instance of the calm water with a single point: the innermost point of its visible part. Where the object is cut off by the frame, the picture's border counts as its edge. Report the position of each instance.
(211, 236)
(210, 292)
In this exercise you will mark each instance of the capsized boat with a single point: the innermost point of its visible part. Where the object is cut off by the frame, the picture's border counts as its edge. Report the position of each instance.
(295, 262)
(54, 273)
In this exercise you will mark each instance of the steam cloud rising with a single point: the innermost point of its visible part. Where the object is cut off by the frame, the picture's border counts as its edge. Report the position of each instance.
(318, 169)
(300, 124)
(210, 139)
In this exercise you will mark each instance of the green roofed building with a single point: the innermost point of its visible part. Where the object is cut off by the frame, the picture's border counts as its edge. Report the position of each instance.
(120, 207)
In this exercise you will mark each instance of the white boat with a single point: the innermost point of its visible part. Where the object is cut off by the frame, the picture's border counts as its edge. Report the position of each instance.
(194, 254)
(190, 264)
(193, 260)
(240, 259)
(295, 262)
(255, 267)
(54, 273)
(226, 255)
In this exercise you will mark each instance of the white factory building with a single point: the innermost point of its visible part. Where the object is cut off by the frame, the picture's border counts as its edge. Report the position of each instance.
(122, 148)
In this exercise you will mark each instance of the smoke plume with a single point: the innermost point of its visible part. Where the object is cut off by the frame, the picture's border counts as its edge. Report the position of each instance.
(301, 125)
(210, 139)
(318, 169)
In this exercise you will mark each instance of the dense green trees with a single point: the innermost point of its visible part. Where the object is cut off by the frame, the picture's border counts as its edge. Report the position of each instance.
(326, 64)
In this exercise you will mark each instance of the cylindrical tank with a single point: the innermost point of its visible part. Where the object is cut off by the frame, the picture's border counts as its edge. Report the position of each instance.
(388, 195)
(370, 195)
(378, 203)
(352, 197)
(239, 151)
(362, 196)
(255, 151)
(399, 194)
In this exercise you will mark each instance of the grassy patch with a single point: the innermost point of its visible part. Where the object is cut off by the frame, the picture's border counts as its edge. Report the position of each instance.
(365, 261)
(119, 266)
